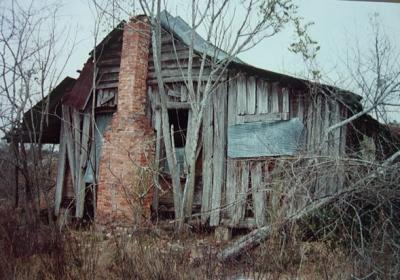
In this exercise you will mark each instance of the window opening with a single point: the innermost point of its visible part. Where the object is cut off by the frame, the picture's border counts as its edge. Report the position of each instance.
(179, 119)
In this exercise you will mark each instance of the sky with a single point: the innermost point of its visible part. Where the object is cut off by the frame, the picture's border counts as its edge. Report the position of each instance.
(336, 24)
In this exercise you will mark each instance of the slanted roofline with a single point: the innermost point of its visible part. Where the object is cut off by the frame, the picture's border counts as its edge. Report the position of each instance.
(182, 31)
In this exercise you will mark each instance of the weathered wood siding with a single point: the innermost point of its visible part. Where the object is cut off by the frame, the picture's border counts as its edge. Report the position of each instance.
(233, 190)
(76, 126)
(255, 102)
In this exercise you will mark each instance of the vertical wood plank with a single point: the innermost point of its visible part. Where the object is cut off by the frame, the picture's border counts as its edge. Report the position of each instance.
(208, 146)
(251, 95)
(326, 118)
(241, 95)
(232, 94)
(285, 103)
(301, 106)
(231, 188)
(84, 151)
(310, 118)
(157, 125)
(69, 141)
(220, 106)
(262, 97)
(293, 104)
(275, 98)
(317, 121)
(60, 171)
(258, 193)
(189, 136)
(342, 150)
(343, 133)
(336, 132)
(241, 197)
(76, 126)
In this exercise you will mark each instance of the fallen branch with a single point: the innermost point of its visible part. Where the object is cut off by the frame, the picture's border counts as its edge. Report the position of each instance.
(254, 238)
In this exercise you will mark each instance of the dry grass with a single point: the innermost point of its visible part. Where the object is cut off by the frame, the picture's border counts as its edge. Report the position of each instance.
(36, 251)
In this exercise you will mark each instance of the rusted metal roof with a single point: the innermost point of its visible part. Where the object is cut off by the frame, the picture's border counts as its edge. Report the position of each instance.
(79, 94)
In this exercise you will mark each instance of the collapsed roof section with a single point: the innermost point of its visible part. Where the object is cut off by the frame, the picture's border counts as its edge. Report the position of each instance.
(78, 96)
(50, 117)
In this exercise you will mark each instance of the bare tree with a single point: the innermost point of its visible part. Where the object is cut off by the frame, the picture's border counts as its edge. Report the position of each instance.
(30, 65)
(230, 28)
(363, 213)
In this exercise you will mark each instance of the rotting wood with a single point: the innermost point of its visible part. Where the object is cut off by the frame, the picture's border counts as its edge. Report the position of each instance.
(84, 150)
(156, 174)
(343, 133)
(231, 188)
(220, 107)
(300, 109)
(107, 70)
(274, 99)
(208, 140)
(318, 123)
(184, 93)
(324, 137)
(254, 238)
(231, 184)
(285, 103)
(190, 148)
(69, 141)
(174, 93)
(241, 95)
(175, 105)
(60, 171)
(241, 197)
(251, 95)
(107, 85)
(180, 79)
(268, 117)
(262, 97)
(336, 132)
(178, 72)
(258, 192)
(232, 101)
(247, 223)
(310, 111)
(76, 131)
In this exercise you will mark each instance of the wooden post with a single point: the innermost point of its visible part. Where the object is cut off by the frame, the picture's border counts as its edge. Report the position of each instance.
(231, 185)
(208, 140)
(219, 152)
(81, 186)
(60, 171)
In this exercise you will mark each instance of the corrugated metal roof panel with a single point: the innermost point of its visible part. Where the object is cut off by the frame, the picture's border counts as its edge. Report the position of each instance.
(260, 139)
(183, 31)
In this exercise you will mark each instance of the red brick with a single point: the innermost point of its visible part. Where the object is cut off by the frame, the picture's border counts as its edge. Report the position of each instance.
(129, 139)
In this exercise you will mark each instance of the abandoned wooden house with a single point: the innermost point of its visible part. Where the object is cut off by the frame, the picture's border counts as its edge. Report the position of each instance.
(108, 124)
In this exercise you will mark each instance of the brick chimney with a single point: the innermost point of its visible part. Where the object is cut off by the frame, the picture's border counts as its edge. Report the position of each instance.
(128, 143)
